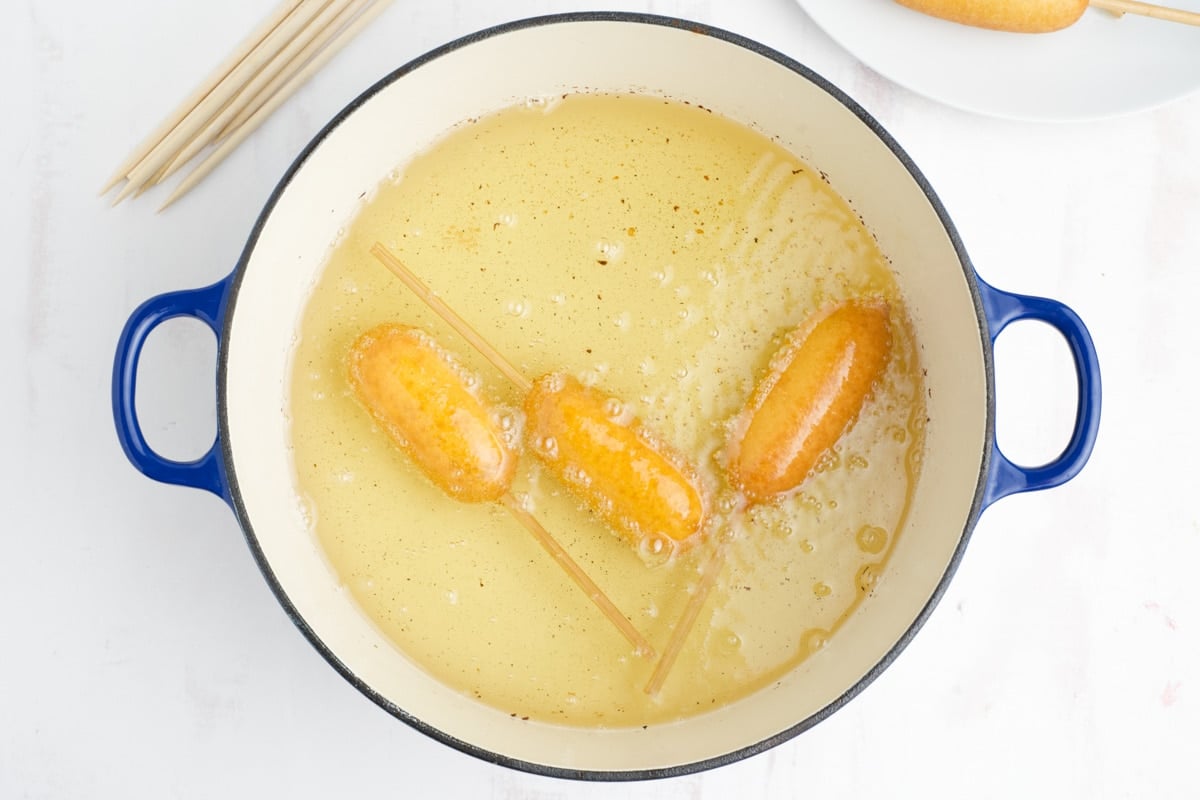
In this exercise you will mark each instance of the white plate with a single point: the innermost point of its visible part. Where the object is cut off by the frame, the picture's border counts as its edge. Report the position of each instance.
(1101, 66)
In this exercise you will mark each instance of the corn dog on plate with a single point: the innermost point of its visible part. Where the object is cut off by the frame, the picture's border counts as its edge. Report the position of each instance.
(1098, 66)
(723, 356)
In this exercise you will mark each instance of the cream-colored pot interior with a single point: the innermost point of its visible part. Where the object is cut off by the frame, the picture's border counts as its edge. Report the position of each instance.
(735, 78)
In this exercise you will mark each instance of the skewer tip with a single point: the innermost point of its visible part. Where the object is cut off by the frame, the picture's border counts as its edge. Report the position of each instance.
(128, 189)
(175, 195)
(108, 186)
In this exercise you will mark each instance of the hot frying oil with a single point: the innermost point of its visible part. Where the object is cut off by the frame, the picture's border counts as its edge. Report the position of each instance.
(660, 252)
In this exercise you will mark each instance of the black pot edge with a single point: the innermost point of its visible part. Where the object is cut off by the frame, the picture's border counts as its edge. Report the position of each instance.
(439, 735)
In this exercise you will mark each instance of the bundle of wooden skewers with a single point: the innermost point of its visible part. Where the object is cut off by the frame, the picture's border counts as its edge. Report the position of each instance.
(275, 60)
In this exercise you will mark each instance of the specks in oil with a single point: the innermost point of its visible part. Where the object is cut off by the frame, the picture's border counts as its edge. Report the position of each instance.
(867, 578)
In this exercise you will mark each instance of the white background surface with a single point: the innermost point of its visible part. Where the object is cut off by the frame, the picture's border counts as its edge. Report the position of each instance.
(142, 654)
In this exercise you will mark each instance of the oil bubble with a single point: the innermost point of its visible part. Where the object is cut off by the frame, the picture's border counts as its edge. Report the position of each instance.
(809, 503)
(829, 460)
(655, 551)
(871, 539)
(867, 578)
(308, 511)
(726, 641)
(609, 250)
(525, 502)
(547, 446)
(812, 640)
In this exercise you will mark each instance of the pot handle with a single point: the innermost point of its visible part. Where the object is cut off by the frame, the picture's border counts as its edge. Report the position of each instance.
(208, 306)
(1004, 477)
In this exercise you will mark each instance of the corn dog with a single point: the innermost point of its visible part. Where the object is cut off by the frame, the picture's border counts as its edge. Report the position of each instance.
(817, 385)
(602, 455)
(1040, 16)
(1017, 16)
(422, 397)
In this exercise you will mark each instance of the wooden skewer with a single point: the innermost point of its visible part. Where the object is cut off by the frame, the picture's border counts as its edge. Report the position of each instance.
(247, 93)
(691, 612)
(292, 67)
(218, 75)
(577, 574)
(195, 121)
(1120, 7)
(464, 329)
(255, 120)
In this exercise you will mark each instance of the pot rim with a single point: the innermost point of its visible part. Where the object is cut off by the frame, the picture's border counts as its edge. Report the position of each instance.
(234, 496)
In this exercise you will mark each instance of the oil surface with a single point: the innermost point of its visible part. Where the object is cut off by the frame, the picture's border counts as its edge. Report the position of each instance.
(660, 252)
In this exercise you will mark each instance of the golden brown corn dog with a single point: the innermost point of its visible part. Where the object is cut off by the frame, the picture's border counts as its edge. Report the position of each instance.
(418, 394)
(1041, 16)
(606, 458)
(817, 385)
(1017, 16)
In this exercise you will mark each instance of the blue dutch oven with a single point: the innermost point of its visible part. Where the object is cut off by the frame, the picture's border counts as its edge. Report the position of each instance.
(957, 317)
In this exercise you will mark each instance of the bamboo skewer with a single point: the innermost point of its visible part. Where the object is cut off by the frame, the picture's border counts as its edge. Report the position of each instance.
(301, 58)
(1120, 7)
(218, 75)
(460, 325)
(280, 55)
(193, 123)
(464, 329)
(247, 93)
(256, 119)
(691, 612)
(577, 574)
